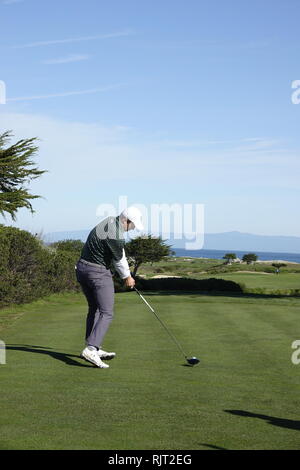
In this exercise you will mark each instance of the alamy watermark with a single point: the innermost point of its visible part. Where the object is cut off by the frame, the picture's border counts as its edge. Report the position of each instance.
(296, 94)
(2, 352)
(296, 354)
(2, 92)
(176, 221)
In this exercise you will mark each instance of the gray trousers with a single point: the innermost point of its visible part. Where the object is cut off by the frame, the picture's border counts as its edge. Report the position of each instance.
(98, 288)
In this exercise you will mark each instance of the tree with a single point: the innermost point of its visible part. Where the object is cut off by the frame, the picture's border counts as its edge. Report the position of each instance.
(229, 257)
(146, 249)
(16, 170)
(278, 266)
(249, 258)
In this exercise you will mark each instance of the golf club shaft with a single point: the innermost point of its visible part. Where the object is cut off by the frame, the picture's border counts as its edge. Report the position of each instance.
(162, 323)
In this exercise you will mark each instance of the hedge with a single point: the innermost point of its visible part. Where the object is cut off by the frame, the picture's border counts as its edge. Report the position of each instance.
(211, 285)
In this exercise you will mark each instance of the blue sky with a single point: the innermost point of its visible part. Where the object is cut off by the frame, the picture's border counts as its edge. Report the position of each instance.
(161, 101)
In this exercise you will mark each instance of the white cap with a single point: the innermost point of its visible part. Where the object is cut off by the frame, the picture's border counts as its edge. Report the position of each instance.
(134, 215)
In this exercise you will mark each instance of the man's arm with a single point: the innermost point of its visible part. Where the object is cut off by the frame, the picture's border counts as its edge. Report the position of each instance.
(122, 266)
(120, 262)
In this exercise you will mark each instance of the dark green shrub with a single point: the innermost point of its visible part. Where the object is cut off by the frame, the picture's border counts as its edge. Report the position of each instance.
(159, 270)
(59, 271)
(29, 270)
(20, 269)
(71, 246)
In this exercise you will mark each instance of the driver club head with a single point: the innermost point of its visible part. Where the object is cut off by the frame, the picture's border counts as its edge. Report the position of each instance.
(193, 360)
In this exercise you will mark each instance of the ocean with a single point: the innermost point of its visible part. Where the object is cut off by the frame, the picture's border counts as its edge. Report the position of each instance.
(218, 254)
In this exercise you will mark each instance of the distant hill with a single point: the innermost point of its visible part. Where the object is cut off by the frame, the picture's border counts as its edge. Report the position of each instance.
(239, 241)
(212, 241)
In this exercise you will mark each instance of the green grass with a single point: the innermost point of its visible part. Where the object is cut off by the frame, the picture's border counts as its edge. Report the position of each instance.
(269, 282)
(244, 394)
(194, 266)
(261, 276)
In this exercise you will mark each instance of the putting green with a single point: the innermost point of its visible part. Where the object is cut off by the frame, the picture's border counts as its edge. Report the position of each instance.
(244, 394)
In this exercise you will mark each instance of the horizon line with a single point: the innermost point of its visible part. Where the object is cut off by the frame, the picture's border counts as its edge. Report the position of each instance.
(174, 234)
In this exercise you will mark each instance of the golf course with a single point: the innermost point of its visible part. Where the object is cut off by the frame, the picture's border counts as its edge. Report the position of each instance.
(149, 237)
(244, 393)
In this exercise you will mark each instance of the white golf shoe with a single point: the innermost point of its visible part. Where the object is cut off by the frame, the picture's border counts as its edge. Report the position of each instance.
(105, 355)
(94, 358)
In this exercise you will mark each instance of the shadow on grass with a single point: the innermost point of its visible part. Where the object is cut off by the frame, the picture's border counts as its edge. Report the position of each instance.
(281, 422)
(60, 356)
(183, 284)
(211, 446)
(207, 286)
(214, 294)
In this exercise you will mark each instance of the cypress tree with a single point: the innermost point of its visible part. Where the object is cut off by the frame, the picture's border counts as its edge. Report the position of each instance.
(17, 169)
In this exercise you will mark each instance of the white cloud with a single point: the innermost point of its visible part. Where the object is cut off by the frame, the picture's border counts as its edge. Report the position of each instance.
(114, 153)
(66, 60)
(71, 148)
(66, 93)
(89, 163)
(253, 143)
(74, 40)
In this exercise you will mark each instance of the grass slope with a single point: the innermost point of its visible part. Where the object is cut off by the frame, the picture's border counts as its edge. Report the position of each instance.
(269, 282)
(243, 395)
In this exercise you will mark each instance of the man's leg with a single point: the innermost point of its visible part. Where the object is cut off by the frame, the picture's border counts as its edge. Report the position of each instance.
(103, 295)
(97, 285)
(93, 312)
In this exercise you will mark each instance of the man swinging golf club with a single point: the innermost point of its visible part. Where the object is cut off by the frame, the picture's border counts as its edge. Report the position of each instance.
(104, 249)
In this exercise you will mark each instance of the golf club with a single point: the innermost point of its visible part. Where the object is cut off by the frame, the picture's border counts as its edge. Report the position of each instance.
(191, 360)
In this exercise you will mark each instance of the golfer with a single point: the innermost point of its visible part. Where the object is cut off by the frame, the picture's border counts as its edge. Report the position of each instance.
(103, 250)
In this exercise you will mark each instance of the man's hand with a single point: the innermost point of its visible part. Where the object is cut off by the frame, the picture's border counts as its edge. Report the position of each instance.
(129, 282)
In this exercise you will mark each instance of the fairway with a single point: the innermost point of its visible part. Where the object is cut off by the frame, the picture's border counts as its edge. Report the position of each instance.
(269, 282)
(244, 394)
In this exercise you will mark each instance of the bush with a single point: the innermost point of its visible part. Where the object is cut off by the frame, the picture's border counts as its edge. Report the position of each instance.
(71, 246)
(59, 271)
(20, 268)
(29, 270)
(159, 270)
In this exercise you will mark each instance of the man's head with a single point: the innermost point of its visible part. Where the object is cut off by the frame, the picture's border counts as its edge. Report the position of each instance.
(131, 218)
